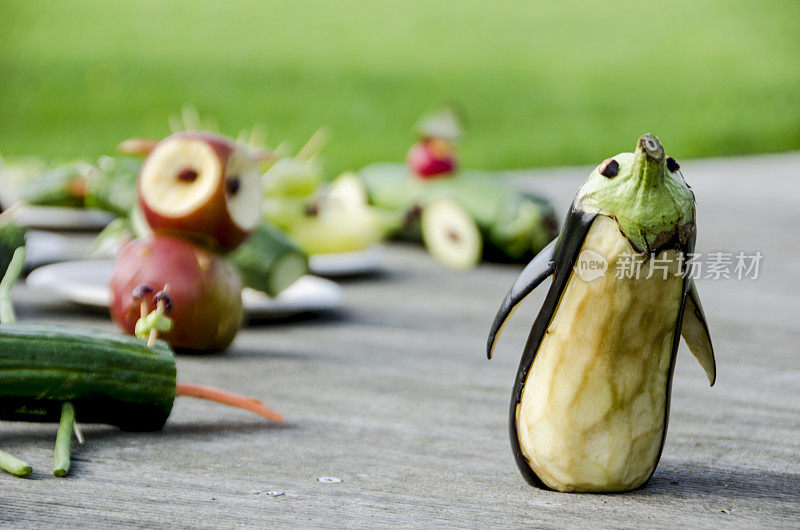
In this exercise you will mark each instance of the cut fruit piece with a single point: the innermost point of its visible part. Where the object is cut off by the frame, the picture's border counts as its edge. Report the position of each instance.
(291, 177)
(432, 157)
(335, 231)
(347, 193)
(201, 185)
(450, 234)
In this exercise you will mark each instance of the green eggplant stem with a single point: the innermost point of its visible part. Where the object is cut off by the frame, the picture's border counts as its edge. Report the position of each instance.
(14, 465)
(7, 314)
(649, 166)
(63, 440)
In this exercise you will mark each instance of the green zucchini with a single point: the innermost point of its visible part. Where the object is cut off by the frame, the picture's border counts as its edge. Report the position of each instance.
(268, 260)
(110, 378)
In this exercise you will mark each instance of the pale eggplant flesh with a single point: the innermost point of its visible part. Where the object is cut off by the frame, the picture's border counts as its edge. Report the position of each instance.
(590, 403)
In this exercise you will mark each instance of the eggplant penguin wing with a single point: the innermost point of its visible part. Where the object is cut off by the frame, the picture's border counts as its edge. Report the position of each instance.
(694, 329)
(557, 256)
(540, 267)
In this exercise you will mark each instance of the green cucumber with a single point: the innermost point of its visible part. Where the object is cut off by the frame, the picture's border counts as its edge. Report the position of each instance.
(268, 261)
(109, 378)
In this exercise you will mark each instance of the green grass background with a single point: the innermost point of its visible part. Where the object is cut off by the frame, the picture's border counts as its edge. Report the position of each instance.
(542, 83)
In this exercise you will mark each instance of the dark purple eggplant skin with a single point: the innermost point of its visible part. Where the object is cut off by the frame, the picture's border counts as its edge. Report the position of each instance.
(542, 266)
(568, 245)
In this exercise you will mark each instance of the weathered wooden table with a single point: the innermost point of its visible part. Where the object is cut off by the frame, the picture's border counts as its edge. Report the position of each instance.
(395, 397)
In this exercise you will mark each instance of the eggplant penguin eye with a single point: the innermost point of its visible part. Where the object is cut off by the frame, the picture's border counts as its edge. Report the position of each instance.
(672, 164)
(609, 168)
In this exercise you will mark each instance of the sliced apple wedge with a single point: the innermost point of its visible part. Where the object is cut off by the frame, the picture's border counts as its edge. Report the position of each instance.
(201, 185)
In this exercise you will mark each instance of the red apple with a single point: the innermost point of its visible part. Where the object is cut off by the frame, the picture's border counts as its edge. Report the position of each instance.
(432, 157)
(205, 291)
(201, 185)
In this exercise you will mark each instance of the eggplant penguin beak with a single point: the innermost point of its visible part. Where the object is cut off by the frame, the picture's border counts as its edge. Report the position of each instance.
(649, 166)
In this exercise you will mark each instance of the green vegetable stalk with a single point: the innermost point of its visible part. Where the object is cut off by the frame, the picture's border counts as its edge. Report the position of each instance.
(7, 313)
(14, 465)
(12, 236)
(63, 440)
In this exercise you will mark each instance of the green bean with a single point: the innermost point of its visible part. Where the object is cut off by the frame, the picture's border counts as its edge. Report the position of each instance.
(14, 465)
(63, 440)
(7, 314)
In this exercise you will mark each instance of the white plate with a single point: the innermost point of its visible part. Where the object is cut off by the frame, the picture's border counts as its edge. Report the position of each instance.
(58, 218)
(42, 248)
(86, 283)
(347, 263)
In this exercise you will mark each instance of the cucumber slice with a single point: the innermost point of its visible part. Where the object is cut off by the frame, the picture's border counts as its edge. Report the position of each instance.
(268, 261)
(450, 234)
(286, 270)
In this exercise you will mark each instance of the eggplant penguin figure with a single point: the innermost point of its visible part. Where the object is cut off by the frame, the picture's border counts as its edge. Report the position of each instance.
(590, 403)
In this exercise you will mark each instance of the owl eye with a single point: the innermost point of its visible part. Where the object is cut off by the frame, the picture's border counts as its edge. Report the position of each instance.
(609, 168)
(232, 185)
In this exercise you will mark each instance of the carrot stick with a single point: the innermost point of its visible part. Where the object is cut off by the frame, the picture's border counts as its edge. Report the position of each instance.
(227, 398)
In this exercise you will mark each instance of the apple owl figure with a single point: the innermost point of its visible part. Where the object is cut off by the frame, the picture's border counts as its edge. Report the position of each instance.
(200, 195)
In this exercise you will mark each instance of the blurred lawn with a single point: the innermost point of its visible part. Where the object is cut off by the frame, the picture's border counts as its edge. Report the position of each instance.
(543, 83)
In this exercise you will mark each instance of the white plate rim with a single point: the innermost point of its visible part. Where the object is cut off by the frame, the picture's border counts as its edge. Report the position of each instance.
(365, 261)
(307, 294)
